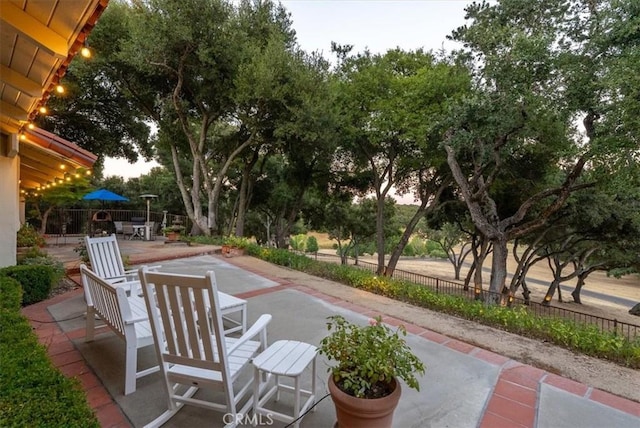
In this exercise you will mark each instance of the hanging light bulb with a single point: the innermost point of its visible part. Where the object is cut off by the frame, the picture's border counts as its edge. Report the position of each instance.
(60, 89)
(43, 110)
(85, 51)
(31, 126)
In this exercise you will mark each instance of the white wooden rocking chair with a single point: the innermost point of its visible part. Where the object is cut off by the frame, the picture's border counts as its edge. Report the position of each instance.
(193, 352)
(106, 261)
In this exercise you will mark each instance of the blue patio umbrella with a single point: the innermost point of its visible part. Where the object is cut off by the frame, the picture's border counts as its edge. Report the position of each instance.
(104, 195)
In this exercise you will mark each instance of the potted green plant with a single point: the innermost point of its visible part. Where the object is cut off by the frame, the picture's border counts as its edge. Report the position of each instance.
(173, 232)
(369, 361)
(234, 245)
(28, 237)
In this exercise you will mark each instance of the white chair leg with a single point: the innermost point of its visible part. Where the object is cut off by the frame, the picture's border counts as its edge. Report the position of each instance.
(130, 369)
(90, 324)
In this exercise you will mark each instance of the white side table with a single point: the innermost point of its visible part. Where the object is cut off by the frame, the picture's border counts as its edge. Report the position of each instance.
(284, 358)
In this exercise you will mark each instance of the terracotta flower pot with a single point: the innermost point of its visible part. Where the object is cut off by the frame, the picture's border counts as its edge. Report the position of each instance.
(355, 412)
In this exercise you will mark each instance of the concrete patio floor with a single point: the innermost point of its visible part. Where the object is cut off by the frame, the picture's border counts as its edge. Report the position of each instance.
(464, 386)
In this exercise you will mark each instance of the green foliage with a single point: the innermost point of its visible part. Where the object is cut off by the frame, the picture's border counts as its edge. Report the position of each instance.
(11, 293)
(435, 250)
(28, 236)
(409, 251)
(57, 267)
(418, 246)
(236, 241)
(32, 391)
(81, 250)
(36, 281)
(369, 357)
(280, 257)
(176, 228)
(312, 245)
(566, 333)
(298, 242)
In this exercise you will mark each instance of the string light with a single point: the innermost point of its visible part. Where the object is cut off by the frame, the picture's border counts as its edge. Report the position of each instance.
(60, 89)
(31, 126)
(43, 110)
(85, 51)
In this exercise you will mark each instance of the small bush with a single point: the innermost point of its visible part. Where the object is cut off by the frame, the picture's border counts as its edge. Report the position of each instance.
(11, 293)
(236, 241)
(44, 260)
(298, 242)
(28, 236)
(408, 250)
(36, 281)
(312, 245)
(435, 250)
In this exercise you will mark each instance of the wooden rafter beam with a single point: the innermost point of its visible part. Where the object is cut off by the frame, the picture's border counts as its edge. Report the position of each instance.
(35, 30)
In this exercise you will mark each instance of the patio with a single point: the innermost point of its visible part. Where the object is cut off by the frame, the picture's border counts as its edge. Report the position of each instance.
(464, 386)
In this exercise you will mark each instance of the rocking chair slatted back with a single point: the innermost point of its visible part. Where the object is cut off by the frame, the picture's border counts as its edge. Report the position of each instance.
(187, 330)
(105, 258)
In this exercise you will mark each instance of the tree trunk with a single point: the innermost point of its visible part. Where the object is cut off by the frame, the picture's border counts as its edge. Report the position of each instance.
(380, 235)
(498, 269)
(479, 251)
(404, 239)
(526, 293)
(551, 291)
(456, 269)
(467, 279)
(44, 218)
(576, 292)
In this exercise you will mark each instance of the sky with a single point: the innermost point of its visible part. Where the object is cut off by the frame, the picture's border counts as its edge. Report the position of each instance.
(377, 25)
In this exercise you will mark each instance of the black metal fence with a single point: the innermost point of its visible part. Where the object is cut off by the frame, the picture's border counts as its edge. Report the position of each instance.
(630, 331)
(85, 221)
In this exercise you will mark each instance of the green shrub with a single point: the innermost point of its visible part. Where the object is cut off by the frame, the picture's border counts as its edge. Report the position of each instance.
(45, 260)
(28, 236)
(434, 249)
(11, 293)
(36, 281)
(236, 241)
(419, 246)
(298, 242)
(81, 250)
(312, 245)
(32, 391)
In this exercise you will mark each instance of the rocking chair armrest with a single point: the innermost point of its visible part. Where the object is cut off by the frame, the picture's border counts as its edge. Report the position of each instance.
(135, 272)
(131, 272)
(260, 326)
(136, 320)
